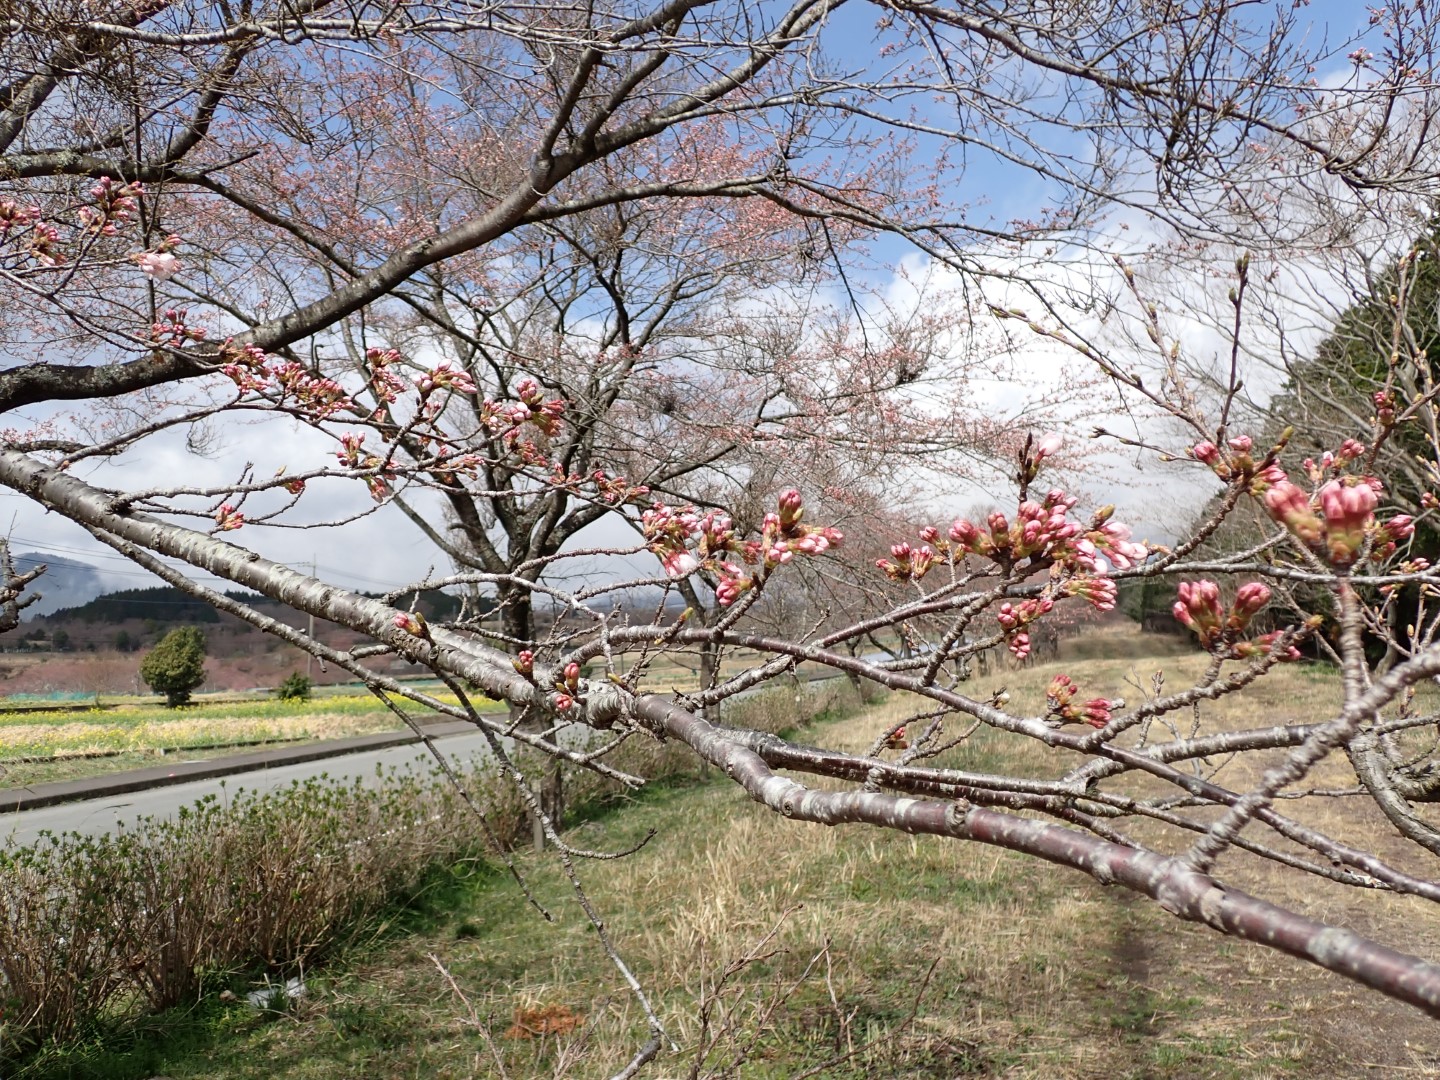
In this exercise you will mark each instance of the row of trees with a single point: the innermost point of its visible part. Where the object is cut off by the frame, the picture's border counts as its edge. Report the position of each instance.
(524, 272)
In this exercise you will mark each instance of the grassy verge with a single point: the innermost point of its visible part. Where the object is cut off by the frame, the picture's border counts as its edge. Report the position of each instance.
(40, 746)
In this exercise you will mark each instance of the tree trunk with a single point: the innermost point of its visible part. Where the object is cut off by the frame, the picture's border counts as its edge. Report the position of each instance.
(517, 622)
(709, 667)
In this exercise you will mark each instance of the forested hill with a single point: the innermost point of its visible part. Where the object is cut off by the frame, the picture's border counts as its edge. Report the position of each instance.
(162, 604)
(168, 605)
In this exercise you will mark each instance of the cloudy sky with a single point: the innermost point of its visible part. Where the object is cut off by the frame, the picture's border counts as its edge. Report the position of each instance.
(377, 548)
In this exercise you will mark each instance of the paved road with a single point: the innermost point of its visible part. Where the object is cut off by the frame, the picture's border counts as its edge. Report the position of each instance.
(101, 815)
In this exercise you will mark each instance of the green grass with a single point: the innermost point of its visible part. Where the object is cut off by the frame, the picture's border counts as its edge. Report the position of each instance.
(42, 745)
(1039, 972)
(55, 770)
(135, 715)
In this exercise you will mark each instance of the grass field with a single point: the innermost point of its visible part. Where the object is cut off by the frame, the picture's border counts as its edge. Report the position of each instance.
(40, 746)
(776, 949)
(43, 744)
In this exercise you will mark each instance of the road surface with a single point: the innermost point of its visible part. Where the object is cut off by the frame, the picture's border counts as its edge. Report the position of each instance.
(102, 815)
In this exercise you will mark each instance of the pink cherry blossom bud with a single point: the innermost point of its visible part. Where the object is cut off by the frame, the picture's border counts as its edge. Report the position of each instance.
(1019, 645)
(792, 508)
(1101, 591)
(228, 518)
(1348, 510)
(965, 534)
(563, 702)
(1049, 444)
(1198, 608)
(1097, 712)
(411, 622)
(1062, 689)
(159, 265)
(679, 564)
(1351, 449)
(1400, 527)
(929, 534)
(1266, 478)
(1251, 597)
(524, 662)
(1206, 452)
(1241, 444)
(572, 674)
(1290, 506)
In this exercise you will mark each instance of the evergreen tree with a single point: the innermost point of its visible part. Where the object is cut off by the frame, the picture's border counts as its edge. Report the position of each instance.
(176, 666)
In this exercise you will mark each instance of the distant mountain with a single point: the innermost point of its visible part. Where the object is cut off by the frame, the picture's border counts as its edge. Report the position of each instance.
(66, 582)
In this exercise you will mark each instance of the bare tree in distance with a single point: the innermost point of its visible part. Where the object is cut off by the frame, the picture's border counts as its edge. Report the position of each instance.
(398, 226)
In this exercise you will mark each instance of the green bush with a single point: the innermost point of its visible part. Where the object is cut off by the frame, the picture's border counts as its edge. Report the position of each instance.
(296, 688)
(176, 666)
(108, 928)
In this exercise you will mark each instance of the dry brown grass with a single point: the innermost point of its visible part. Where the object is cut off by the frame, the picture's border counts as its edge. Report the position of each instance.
(1038, 972)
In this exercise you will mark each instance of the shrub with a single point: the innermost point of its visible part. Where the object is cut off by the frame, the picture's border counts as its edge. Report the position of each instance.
(110, 927)
(296, 688)
(176, 666)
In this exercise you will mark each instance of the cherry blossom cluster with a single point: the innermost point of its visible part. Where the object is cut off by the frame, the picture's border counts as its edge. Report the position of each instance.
(1385, 407)
(1237, 462)
(1014, 618)
(114, 205)
(530, 407)
(110, 210)
(45, 244)
(352, 453)
(1060, 700)
(1350, 450)
(318, 396)
(615, 490)
(43, 241)
(444, 377)
(1100, 590)
(686, 540)
(907, 563)
(567, 687)
(1218, 628)
(227, 518)
(1338, 521)
(1042, 535)
(567, 682)
(15, 216)
(173, 330)
(162, 263)
(321, 398)
(1417, 565)
(386, 384)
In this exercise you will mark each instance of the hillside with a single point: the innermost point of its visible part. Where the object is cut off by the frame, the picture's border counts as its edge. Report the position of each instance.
(95, 647)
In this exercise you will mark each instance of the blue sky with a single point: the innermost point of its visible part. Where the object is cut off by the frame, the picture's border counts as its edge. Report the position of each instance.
(383, 550)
